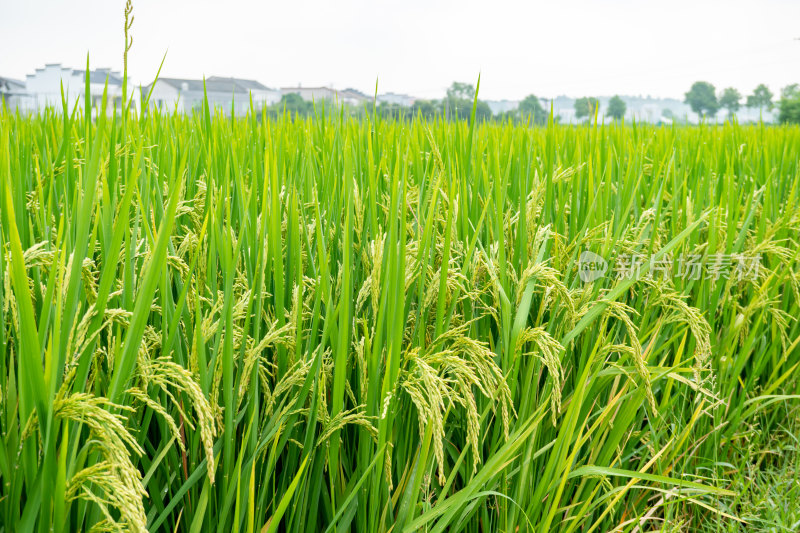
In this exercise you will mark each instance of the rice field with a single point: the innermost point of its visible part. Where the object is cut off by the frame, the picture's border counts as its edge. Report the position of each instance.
(314, 324)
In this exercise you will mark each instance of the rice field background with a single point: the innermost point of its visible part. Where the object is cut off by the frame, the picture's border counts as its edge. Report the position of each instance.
(317, 324)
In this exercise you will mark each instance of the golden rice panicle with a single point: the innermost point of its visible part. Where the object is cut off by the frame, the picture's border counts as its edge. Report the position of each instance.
(548, 350)
(116, 475)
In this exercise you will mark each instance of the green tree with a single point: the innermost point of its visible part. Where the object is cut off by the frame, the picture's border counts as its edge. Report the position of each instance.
(702, 98)
(426, 108)
(459, 100)
(789, 105)
(790, 91)
(616, 108)
(730, 100)
(483, 111)
(761, 98)
(585, 107)
(294, 104)
(462, 109)
(461, 91)
(531, 107)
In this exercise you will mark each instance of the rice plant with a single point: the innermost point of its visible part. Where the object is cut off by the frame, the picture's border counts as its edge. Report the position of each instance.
(323, 323)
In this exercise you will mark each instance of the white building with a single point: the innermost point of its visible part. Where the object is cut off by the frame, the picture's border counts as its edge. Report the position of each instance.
(319, 94)
(502, 106)
(44, 87)
(311, 94)
(353, 97)
(185, 95)
(261, 95)
(647, 113)
(13, 94)
(397, 99)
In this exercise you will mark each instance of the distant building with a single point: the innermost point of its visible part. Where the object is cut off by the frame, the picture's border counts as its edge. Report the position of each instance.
(502, 106)
(397, 99)
(319, 94)
(648, 113)
(44, 87)
(309, 94)
(261, 95)
(13, 93)
(185, 95)
(174, 94)
(565, 115)
(353, 97)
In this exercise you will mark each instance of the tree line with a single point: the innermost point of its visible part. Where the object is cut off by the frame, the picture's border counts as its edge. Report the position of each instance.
(457, 104)
(702, 98)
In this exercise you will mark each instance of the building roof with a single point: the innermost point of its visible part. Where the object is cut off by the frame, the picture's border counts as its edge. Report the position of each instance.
(247, 85)
(219, 85)
(391, 94)
(99, 75)
(355, 92)
(299, 88)
(389, 97)
(10, 85)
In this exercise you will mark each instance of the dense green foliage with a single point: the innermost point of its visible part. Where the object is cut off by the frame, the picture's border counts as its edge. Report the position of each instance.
(277, 323)
(730, 99)
(531, 108)
(761, 98)
(789, 105)
(702, 98)
(586, 107)
(616, 108)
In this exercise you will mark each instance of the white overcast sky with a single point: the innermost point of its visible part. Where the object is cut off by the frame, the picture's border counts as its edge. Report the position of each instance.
(573, 47)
